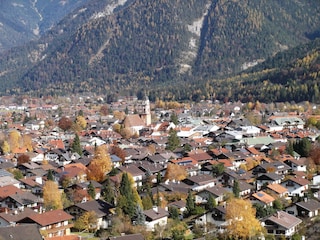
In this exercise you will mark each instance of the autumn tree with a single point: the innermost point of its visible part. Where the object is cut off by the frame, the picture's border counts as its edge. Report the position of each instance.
(116, 150)
(100, 165)
(65, 123)
(27, 142)
(87, 222)
(104, 110)
(175, 172)
(23, 158)
(147, 202)
(5, 147)
(51, 196)
(241, 218)
(14, 139)
(81, 122)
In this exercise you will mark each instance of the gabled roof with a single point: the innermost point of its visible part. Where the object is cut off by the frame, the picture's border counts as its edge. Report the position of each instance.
(216, 191)
(201, 179)
(284, 219)
(155, 213)
(8, 190)
(50, 217)
(132, 169)
(277, 188)
(133, 121)
(299, 180)
(21, 232)
(101, 208)
(15, 216)
(310, 205)
(263, 197)
(24, 198)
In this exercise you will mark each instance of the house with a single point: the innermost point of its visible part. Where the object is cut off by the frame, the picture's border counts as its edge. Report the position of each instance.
(281, 223)
(19, 201)
(155, 216)
(278, 190)
(276, 167)
(102, 209)
(296, 186)
(307, 208)
(200, 182)
(8, 190)
(217, 192)
(137, 236)
(10, 218)
(53, 223)
(217, 217)
(180, 205)
(297, 164)
(267, 178)
(262, 198)
(32, 184)
(21, 232)
(75, 172)
(137, 174)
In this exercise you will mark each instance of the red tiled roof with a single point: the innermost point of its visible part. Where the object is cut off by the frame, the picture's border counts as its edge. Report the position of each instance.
(8, 191)
(50, 217)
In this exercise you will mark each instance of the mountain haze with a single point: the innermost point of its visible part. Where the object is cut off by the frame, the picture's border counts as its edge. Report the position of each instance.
(141, 45)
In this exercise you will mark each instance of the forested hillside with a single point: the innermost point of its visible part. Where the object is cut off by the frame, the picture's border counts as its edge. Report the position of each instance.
(291, 75)
(22, 21)
(171, 50)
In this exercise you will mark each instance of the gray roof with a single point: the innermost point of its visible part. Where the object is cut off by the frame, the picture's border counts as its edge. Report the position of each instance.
(310, 205)
(101, 208)
(284, 219)
(21, 232)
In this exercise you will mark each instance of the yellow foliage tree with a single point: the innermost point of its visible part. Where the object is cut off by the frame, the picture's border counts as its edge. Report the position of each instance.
(175, 172)
(87, 221)
(27, 142)
(241, 218)
(81, 121)
(5, 147)
(14, 139)
(100, 164)
(52, 196)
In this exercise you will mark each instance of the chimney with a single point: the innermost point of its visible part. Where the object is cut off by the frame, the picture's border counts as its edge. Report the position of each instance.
(155, 208)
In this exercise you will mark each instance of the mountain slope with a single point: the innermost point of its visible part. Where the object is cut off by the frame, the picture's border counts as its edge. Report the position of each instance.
(135, 45)
(22, 21)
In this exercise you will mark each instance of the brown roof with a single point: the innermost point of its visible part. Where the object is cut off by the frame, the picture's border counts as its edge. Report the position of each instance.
(133, 121)
(155, 213)
(277, 188)
(263, 197)
(8, 190)
(50, 217)
(284, 219)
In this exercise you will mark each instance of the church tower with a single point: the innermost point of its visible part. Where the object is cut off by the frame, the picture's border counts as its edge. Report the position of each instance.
(145, 114)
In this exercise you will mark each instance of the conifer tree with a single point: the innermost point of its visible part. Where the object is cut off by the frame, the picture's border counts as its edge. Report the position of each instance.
(76, 146)
(173, 140)
(236, 189)
(190, 204)
(91, 191)
(126, 198)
